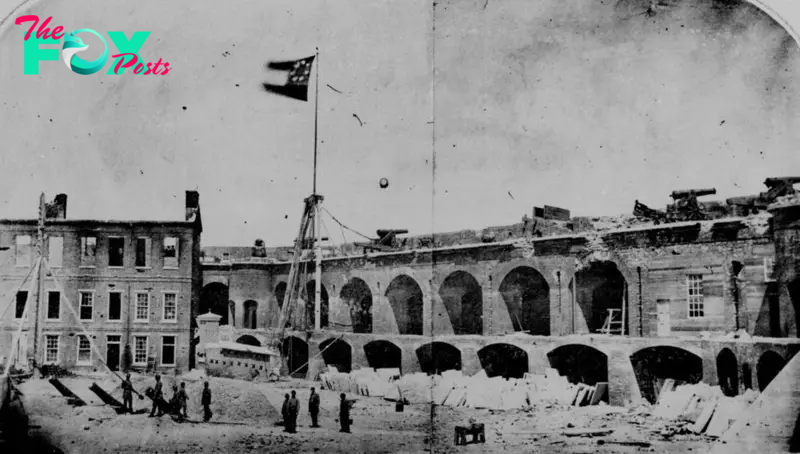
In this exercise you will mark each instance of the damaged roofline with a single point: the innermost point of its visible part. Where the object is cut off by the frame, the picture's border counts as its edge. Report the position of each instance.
(92, 222)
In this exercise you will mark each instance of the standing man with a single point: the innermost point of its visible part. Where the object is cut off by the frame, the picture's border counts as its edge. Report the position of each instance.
(206, 402)
(313, 407)
(183, 399)
(158, 396)
(294, 408)
(344, 415)
(285, 413)
(127, 393)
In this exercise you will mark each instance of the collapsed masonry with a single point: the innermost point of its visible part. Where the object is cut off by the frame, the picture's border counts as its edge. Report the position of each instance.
(453, 388)
(681, 407)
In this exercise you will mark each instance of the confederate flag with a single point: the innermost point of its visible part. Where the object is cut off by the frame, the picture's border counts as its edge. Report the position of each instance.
(297, 83)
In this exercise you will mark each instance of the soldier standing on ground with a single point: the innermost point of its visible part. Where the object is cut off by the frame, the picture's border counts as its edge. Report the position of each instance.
(127, 393)
(285, 413)
(183, 398)
(294, 408)
(344, 415)
(158, 396)
(174, 403)
(313, 407)
(206, 402)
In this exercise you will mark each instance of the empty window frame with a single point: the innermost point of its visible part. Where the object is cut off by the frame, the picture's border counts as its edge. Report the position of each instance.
(168, 351)
(22, 299)
(88, 251)
(53, 305)
(171, 252)
(142, 252)
(116, 251)
(115, 306)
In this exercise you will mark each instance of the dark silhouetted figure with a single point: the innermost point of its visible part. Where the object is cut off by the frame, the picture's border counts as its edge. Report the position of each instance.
(313, 407)
(183, 399)
(285, 413)
(344, 414)
(294, 409)
(127, 393)
(206, 402)
(158, 396)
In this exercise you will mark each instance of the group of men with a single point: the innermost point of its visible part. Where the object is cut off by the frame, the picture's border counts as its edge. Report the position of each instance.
(177, 404)
(291, 408)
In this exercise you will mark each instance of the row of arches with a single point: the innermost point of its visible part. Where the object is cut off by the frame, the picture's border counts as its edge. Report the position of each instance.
(579, 363)
(729, 373)
(524, 290)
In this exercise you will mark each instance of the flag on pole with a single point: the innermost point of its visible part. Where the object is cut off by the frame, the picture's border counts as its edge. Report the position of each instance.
(296, 86)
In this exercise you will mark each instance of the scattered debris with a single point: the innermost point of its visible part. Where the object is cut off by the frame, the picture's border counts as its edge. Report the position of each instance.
(454, 389)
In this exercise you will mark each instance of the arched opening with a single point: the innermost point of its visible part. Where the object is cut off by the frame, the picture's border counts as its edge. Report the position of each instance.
(580, 364)
(503, 360)
(653, 365)
(747, 376)
(337, 353)
(437, 357)
(769, 366)
(794, 296)
(296, 352)
(463, 299)
(405, 297)
(250, 309)
(309, 297)
(358, 298)
(280, 294)
(232, 313)
(383, 354)
(214, 299)
(600, 287)
(527, 296)
(248, 340)
(728, 372)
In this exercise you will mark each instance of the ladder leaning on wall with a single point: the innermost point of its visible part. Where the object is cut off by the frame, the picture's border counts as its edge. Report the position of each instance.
(614, 323)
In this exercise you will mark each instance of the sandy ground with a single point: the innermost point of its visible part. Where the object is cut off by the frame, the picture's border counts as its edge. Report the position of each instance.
(239, 428)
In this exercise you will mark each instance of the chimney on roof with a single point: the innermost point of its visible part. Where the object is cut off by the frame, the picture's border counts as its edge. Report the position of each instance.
(192, 205)
(57, 209)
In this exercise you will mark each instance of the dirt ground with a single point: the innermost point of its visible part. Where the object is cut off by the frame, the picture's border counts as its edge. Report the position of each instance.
(245, 416)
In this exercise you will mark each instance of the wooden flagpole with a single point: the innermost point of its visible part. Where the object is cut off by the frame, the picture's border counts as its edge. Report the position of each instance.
(317, 227)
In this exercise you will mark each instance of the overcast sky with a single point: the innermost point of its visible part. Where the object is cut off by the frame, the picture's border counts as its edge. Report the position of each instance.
(583, 104)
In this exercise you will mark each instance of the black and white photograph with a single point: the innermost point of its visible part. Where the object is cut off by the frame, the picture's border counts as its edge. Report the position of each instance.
(400, 226)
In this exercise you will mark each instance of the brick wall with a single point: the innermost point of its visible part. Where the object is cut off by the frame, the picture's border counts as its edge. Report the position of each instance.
(655, 265)
(75, 277)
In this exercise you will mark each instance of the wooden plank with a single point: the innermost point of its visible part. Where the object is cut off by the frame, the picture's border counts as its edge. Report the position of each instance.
(601, 389)
(705, 416)
(104, 396)
(586, 432)
(66, 392)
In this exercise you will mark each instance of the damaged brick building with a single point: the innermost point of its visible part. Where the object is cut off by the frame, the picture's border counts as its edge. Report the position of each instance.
(537, 294)
(130, 283)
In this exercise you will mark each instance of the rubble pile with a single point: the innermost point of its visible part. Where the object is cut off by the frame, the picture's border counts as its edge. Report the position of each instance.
(454, 389)
(699, 409)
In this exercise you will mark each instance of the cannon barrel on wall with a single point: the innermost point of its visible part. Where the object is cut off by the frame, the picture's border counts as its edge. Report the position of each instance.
(684, 193)
(775, 181)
